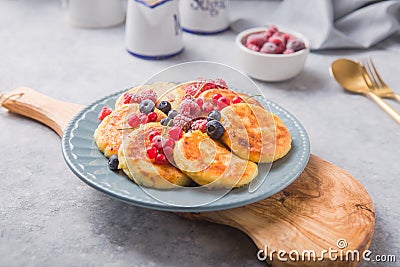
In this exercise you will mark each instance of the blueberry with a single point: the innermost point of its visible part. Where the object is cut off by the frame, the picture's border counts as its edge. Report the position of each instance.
(113, 162)
(214, 115)
(146, 106)
(215, 129)
(167, 122)
(164, 106)
(172, 114)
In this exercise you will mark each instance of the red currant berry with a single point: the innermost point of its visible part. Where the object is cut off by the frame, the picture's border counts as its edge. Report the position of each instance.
(143, 118)
(105, 111)
(133, 121)
(223, 102)
(152, 117)
(152, 152)
(161, 159)
(215, 98)
(152, 135)
(199, 102)
(157, 142)
(237, 100)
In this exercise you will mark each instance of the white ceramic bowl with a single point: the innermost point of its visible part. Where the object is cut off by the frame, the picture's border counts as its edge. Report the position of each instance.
(270, 67)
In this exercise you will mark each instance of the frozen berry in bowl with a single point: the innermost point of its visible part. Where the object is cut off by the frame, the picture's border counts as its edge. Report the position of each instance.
(282, 56)
(146, 106)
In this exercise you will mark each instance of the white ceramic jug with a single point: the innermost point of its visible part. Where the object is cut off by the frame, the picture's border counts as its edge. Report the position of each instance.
(204, 16)
(153, 29)
(94, 13)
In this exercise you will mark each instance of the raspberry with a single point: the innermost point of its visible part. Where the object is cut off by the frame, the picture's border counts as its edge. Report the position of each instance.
(199, 125)
(191, 89)
(105, 111)
(257, 39)
(127, 98)
(149, 94)
(277, 39)
(189, 108)
(221, 83)
(253, 47)
(182, 121)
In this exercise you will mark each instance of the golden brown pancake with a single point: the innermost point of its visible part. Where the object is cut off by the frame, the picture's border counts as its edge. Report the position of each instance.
(134, 162)
(229, 94)
(107, 136)
(255, 134)
(209, 163)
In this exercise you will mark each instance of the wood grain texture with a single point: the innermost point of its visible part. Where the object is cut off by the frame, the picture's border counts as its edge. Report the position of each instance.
(323, 205)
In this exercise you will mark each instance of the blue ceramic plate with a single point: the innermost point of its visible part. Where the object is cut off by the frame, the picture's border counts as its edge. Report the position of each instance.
(90, 165)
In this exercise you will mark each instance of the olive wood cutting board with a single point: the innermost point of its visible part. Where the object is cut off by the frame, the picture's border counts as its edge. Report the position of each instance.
(324, 208)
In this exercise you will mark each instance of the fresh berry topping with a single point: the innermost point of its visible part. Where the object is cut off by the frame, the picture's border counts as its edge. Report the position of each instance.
(288, 51)
(175, 133)
(105, 111)
(161, 159)
(223, 102)
(133, 121)
(168, 142)
(215, 98)
(253, 47)
(215, 129)
(199, 124)
(152, 135)
(237, 100)
(113, 162)
(152, 117)
(199, 102)
(189, 108)
(164, 106)
(143, 118)
(268, 48)
(157, 142)
(152, 152)
(146, 106)
(208, 107)
(172, 114)
(168, 151)
(257, 39)
(214, 115)
(182, 121)
(127, 98)
(295, 44)
(167, 122)
(149, 94)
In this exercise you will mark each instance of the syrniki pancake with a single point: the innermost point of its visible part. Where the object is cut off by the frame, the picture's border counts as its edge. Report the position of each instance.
(253, 133)
(209, 163)
(164, 90)
(230, 95)
(139, 168)
(108, 137)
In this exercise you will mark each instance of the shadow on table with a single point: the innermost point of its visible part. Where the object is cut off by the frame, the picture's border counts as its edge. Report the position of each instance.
(166, 238)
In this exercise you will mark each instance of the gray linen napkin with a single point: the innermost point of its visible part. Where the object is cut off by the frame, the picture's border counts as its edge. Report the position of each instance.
(339, 23)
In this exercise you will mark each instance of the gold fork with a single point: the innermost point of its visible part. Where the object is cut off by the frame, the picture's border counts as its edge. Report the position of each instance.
(375, 82)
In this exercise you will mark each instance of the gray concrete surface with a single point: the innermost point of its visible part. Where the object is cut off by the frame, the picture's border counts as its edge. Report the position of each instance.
(48, 217)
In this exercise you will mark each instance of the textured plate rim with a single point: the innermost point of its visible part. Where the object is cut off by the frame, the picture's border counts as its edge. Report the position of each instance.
(72, 164)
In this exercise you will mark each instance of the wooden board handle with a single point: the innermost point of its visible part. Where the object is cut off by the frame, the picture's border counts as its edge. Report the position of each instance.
(49, 111)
